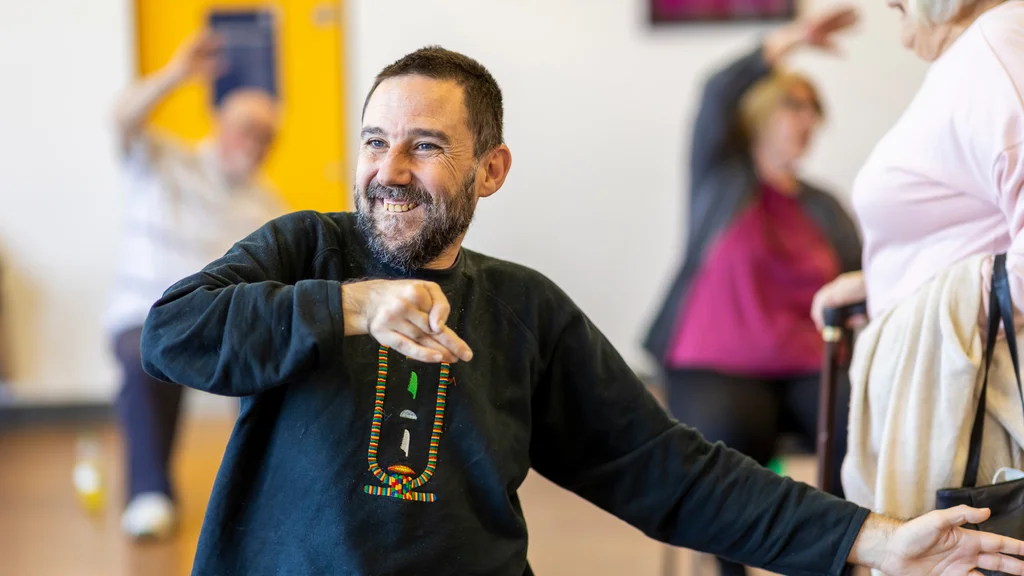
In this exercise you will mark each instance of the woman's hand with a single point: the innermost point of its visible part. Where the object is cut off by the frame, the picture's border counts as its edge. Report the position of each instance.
(846, 289)
(818, 30)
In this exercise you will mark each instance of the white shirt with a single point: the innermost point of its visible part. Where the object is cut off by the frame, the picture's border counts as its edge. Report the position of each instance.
(180, 215)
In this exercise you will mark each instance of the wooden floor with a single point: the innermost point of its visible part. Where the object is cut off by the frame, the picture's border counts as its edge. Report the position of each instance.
(44, 532)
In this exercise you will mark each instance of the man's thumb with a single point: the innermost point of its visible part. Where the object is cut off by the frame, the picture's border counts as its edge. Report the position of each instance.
(966, 515)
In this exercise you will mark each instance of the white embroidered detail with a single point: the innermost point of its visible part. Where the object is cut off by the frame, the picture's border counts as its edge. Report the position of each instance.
(405, 443)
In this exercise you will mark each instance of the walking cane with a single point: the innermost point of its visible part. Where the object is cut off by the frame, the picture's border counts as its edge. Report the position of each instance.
(838, 339)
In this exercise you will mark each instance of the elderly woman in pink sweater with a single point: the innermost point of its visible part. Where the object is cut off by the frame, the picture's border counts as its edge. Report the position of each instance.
(936, 199)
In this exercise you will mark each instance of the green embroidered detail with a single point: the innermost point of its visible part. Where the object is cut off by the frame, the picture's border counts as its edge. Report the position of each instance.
(413, 385)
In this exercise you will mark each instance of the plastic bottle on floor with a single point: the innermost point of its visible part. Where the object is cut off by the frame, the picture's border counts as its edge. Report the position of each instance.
(87, 475)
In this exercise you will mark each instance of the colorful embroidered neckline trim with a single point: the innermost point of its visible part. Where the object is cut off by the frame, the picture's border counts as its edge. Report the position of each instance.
(398, 485)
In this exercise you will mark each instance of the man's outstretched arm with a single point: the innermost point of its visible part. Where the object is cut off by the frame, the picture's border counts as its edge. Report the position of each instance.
(599, 433)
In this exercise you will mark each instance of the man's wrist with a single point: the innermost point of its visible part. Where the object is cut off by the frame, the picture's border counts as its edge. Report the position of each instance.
(174, 74)
(353, 310)
(871, 548)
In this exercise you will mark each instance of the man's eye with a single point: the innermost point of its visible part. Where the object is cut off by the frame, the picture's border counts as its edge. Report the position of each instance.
(426, 146)
(376, 143)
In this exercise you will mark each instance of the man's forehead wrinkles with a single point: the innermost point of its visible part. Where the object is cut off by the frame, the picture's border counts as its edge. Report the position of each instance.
(412, 109)
(426, 126)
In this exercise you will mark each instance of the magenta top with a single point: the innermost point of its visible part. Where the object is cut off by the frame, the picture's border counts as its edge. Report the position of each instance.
(748, 310)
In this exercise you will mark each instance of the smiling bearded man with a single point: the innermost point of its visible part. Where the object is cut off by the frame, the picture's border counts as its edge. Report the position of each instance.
(372, 440)
(387, 215)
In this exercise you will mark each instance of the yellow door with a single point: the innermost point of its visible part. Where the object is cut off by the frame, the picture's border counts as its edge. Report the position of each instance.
(307, 163)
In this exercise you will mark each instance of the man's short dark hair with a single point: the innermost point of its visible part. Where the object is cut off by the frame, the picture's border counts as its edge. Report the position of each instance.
(481, 94)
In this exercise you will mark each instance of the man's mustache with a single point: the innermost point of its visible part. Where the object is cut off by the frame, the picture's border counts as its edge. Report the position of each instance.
(412, 194)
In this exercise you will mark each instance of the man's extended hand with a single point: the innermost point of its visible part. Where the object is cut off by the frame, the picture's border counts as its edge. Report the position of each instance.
(407, 315)
(197, 57)
(936, 545)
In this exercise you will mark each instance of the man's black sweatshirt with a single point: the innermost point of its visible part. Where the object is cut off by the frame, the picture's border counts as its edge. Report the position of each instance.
(348, 458)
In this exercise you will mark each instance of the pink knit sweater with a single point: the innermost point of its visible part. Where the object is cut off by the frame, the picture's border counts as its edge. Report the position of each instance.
(945, 183)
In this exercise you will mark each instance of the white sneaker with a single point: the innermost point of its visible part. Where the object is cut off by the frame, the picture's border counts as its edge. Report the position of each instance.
(149, 515)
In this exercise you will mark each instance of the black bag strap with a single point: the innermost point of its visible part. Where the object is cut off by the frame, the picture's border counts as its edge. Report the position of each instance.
(1000, 307)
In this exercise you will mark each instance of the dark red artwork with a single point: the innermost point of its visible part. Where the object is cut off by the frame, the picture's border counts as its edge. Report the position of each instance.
(673, 11)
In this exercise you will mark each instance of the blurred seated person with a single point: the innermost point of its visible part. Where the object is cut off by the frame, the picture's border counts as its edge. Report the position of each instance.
(185, 206)
(740, 354)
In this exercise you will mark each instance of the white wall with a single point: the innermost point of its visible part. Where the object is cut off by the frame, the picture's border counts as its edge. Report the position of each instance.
(597, 106)
(63, 63)
(597, 110)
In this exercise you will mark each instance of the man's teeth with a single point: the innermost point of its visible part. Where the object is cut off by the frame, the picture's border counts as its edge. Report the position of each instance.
(399, 207)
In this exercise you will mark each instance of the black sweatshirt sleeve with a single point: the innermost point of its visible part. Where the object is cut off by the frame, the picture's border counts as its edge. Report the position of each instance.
(599, 433)
(249, 321)
(715, 127)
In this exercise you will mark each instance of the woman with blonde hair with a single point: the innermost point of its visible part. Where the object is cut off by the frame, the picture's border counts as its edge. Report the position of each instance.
(739, 352)
(938, 197)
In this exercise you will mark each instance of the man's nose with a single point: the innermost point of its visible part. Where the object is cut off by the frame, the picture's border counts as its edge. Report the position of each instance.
(394, 170)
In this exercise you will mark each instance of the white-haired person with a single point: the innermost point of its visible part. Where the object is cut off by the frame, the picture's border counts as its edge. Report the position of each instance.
(937, 199)
(184, 206)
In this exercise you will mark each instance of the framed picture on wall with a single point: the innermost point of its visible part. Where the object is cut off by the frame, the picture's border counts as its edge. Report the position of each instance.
(696, 11)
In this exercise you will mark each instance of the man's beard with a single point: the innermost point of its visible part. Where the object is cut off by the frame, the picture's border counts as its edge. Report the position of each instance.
(445, 220)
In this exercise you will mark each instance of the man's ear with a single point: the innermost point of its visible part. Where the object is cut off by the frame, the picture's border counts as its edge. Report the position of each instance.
(496, 165)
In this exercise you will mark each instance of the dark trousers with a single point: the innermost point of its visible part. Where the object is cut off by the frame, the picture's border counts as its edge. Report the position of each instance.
(751, 414)
(148, 412)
